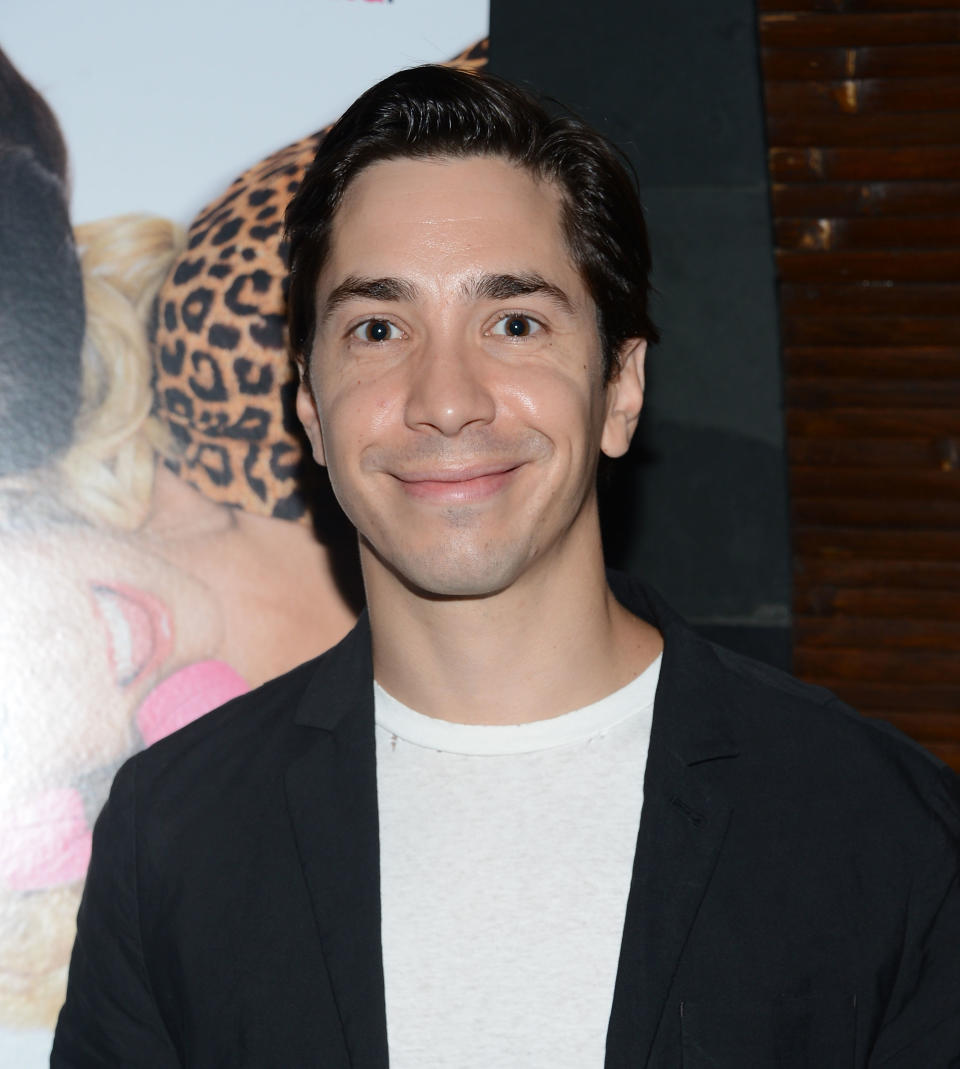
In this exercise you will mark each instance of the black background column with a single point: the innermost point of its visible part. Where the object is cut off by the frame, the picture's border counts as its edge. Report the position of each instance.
(699, 507)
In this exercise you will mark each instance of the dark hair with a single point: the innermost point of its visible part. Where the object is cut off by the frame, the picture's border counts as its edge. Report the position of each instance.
(41, 291)
(26, 120)
(434, 111)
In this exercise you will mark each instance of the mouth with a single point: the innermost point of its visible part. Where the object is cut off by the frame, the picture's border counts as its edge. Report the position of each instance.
(138, 627)
(458, 485)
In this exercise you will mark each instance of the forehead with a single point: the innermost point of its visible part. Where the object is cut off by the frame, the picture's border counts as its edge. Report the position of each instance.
(443, 212)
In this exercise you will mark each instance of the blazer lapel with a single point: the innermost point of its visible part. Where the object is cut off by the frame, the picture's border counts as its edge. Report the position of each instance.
(682, 828)
(332, 797)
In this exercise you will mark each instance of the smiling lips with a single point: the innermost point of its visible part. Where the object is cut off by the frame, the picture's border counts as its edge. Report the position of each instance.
(463, 486)
(138, 627)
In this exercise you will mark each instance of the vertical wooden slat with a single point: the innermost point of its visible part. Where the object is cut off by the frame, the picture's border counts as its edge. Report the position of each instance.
(863, 123)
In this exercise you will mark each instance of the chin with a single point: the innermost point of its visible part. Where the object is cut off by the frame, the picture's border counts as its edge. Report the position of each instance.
(456, 572)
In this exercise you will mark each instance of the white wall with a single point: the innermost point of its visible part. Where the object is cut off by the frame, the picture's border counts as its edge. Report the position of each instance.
(163, 105)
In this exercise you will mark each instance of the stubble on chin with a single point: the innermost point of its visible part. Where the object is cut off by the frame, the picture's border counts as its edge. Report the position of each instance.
(454, 567)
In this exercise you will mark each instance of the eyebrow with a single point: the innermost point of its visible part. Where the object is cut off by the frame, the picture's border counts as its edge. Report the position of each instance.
(503, 287)
(370, 289)
(500, 287)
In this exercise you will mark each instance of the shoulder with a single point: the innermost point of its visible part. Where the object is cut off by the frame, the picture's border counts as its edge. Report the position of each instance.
(799, 746)
(802, 738)
(245, 746)
(214, 795)
(201, 779)
(248, 722)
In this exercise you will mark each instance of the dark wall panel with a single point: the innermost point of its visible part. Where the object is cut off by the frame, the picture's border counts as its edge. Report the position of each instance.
(699, 507)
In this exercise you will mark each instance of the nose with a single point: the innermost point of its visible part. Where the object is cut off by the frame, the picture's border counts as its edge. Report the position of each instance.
(449, 391)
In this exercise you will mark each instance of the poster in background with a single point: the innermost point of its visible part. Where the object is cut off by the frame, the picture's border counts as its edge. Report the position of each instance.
(158, 551)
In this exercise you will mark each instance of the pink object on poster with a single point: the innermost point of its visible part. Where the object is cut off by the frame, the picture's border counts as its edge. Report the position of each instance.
(45, 841)
(187, 695)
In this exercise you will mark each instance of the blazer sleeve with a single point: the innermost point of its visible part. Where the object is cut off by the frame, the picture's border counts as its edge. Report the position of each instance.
(110, 1017)
(922, 1022)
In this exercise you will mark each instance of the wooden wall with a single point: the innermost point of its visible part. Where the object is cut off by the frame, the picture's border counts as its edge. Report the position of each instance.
(863, 120)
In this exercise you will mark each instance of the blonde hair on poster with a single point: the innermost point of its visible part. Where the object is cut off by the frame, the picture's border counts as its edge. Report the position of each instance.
(107, 474)
(105, 479)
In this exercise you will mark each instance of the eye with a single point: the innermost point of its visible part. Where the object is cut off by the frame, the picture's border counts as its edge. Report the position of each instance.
(516, 325)
(376, 330)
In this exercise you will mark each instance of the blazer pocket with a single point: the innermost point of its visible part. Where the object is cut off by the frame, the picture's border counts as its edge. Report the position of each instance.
(789, 1033)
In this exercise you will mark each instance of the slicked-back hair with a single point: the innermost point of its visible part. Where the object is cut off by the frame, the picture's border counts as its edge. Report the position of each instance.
(438, 112)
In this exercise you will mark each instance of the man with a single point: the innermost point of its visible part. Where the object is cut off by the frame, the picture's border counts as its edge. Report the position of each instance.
(427, 845)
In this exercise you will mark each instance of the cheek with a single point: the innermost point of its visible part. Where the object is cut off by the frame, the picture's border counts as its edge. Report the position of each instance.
(59, 724)
(64, 715)
(355, 418)
(565, 409)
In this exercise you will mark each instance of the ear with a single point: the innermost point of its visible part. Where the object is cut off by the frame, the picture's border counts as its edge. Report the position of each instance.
(307, 412)
(624, 398)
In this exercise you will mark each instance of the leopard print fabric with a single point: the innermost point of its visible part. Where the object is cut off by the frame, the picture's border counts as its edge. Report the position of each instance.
(224, 381)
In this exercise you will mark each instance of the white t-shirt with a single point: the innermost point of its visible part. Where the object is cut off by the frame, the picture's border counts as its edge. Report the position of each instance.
(506, 854)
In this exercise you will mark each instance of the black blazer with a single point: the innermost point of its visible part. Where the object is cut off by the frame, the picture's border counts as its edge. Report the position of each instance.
(794, 898)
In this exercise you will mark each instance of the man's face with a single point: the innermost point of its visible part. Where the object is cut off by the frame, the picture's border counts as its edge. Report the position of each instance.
(455, 390)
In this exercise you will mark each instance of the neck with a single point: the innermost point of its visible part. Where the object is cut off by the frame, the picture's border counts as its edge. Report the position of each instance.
(553, 641)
